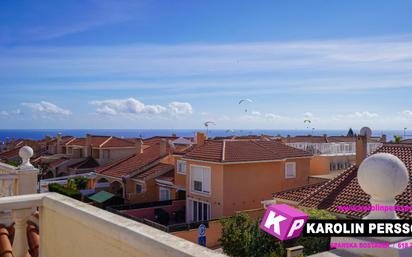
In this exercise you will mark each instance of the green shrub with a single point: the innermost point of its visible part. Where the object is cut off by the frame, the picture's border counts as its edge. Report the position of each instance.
(81, 182)
(242, 237)
(14, 163)
(54, 187)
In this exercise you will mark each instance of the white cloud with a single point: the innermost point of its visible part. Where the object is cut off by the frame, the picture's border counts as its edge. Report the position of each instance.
(126, 106)
(407, 113)
(357, 115)
(308, 115)
(365, 114)
(47, 108)
(272, 116)
(132, 106)
(106, 110)
(11, 113)
(256, 113)
(181, 108)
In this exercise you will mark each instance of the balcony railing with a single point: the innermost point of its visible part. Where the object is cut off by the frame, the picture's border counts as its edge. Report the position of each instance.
(69, 228)
(343, 148)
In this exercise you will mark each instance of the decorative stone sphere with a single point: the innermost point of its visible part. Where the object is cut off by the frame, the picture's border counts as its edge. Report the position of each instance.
(383, 176)
(25, 153)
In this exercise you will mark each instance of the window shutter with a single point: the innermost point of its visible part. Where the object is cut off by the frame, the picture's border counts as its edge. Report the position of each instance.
(206, 180)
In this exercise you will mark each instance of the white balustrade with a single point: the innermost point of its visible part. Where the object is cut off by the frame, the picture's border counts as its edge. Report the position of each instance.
(70, 228)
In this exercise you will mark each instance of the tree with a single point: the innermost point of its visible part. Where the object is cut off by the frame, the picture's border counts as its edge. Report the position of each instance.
(397, 139)
(350, 133)
(242, 237)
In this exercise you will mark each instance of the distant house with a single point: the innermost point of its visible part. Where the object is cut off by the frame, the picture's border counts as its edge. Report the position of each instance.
(221, 177)
(331, 153)
(103, 149)
(145, 176)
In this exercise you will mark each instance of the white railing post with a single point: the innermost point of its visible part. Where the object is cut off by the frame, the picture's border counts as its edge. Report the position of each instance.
(26, 184)
(27, 174)
(20, 244)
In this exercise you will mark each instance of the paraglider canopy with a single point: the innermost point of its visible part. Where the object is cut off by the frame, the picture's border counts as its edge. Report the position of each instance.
(245, 101)
(207, 123)
(308, 122)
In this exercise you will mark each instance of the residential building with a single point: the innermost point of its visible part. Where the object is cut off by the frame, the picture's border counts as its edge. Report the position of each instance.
(148, 174)
(218, 175)
(332, 154)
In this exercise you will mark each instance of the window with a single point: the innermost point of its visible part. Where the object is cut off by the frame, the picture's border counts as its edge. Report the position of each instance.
(199, 211)
(138, 188)
(200, 179)
(290, 170)
(198, 185)
(181, 167)
(164, 194)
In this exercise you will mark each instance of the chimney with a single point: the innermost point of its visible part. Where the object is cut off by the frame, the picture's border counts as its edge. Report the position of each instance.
(383, 138)
(139, 146)
(200, 138)
(88, 145)
(163, 146)
(361, 149)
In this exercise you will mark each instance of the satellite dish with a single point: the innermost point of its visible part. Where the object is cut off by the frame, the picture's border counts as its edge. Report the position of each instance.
(366, 132)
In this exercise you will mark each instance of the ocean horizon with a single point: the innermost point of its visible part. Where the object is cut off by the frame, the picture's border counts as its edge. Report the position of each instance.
(36, 134)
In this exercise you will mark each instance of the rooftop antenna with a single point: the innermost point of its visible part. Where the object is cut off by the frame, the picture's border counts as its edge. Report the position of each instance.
(207, 123)
(366, 132)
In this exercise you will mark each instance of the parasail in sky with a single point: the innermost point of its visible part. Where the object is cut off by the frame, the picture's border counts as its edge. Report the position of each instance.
(245, 102)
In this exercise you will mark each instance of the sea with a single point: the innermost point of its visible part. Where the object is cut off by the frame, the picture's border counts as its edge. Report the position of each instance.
(146, 133)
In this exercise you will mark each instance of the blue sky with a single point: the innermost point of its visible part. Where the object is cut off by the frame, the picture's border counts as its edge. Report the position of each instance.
(177, 64)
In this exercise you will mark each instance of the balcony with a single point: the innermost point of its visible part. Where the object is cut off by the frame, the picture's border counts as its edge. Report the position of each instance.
(69, 228)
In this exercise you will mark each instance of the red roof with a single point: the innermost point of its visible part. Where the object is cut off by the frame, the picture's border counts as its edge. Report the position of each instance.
(88, 163)
(118, 142)
(344, 190)
(103, 141)
(156, 139)
(132, 163)
(155, 171)
(7, 235)
(299, 193)
(78, 142)
(57, 162)
(243, 151)
(10, 153)
(406, 141)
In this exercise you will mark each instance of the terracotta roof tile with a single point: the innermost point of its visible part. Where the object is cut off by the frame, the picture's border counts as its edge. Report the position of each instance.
(344, 190)
(243, 151)
(156, 139)
(87, 163)
(299, 193)
(155, 171)
(118, 142)
(132, 163)
(78, 142)
(406, 141)
(57, 162)
(10, 153)
(6, 240)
